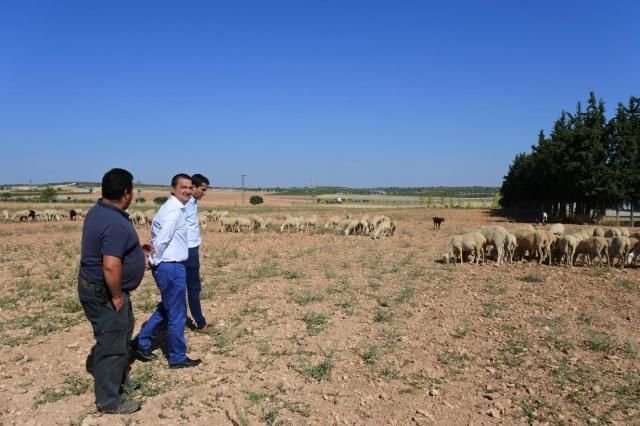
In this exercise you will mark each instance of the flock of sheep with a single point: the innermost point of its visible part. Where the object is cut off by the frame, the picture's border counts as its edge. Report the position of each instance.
(613, 246)
(377, 226)
(46, 215)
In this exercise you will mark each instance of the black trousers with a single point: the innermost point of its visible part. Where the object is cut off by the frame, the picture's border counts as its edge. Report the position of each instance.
(108, 361)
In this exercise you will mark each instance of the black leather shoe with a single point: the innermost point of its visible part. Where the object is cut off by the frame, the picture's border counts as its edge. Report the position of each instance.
(145, 355)
(127, 407)
(186, 363)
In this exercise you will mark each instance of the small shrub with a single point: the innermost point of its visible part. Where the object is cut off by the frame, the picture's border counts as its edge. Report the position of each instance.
(160, 200)
(71, 305)
(316, 323)
(599, 342)
(532, 278)
(319, 371)
(256, 199)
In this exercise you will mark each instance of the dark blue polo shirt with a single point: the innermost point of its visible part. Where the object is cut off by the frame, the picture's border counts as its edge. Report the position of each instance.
(108, 231)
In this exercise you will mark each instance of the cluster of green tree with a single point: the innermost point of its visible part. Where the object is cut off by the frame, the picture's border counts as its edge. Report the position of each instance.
(433, 191)
(586, 165)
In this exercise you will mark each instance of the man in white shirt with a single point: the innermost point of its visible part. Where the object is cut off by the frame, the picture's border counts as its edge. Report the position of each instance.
(169, 238)
(200, 185)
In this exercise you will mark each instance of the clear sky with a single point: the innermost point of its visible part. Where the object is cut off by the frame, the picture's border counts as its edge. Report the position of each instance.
(292, 93)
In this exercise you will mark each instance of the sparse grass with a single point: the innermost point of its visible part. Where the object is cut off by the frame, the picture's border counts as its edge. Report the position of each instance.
(491, 309)
(292, 274)
(585, 319)
(597, 341)
(406, 294)
(347, 305)
(461, 332)
(532, 278)
(71, 305)
(316, 323)
(148, 382)
(370, 354)
(267, 269)
(73, 385)
(320, 371)
(306, 297)
(514, 351)
(627, 286)
(382, 315)
(495, 289)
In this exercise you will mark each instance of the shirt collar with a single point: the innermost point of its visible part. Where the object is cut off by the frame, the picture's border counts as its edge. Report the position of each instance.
(177, 202)
(112, 207)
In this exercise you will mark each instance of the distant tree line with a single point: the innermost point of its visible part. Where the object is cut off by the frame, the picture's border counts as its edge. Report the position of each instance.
(426, 191)
(586, 165)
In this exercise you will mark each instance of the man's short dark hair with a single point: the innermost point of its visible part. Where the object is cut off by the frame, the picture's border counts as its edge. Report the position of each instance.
(116, 183)
(174, 180)
(198, 180)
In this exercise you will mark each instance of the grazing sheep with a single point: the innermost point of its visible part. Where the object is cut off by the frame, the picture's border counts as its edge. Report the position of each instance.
(202, 220)
(137, 218)
(437, 221)
(619, 247)
(557, 229)
(384, 228)
(148, 216)
(352, 227)
(567, 245)
(333, 222)
(291, 222)
(469, 243)
(5, 215)
(598, 232)
(309, 222)
(227, 223)
(510, 245)
(612, 232)
(495, 236)
(534, 243)
(21, 216)
(591, 248)
(72, 214)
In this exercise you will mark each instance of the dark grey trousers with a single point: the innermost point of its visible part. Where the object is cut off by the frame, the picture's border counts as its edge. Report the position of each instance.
(108, 361)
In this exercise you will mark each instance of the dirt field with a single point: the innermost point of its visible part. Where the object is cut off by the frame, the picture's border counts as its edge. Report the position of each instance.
(326, 329)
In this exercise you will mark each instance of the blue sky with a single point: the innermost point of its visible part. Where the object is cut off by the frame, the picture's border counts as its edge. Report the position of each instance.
(293, 93)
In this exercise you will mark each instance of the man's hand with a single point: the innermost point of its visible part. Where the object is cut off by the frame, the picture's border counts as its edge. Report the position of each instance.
(148, 248)
(147, 264)
(117, 303)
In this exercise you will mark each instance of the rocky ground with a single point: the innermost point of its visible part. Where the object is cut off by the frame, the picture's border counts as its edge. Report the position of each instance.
(321, 328)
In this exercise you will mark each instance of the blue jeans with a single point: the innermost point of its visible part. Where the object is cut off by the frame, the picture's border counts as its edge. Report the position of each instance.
(171, 279)
(194, 286)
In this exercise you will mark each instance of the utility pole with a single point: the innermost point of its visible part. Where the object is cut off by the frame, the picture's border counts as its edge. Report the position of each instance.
(242, 188)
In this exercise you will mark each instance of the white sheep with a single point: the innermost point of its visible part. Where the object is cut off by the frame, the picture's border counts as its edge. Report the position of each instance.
(291, 222)
(591, 248)
(472, 242)
(619, 247)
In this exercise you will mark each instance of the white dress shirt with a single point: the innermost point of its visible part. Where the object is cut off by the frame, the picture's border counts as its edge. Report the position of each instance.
(193, 225)
(169, 233)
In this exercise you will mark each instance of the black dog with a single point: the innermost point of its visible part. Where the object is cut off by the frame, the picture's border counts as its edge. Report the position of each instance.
(437, 221)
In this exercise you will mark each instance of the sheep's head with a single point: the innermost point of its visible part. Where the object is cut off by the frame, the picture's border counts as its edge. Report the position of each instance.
(447, 257)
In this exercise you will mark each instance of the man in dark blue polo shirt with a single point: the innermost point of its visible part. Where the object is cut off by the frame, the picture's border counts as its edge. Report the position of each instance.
(112, 264)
